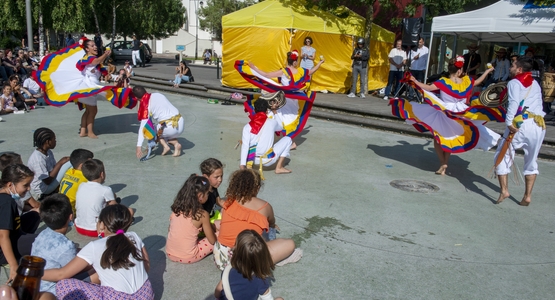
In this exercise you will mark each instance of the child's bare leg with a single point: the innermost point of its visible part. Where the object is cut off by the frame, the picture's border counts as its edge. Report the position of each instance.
(279, 166)
(83, 132)
(177, 147)
(92, 110)
(166, 147)
(280, 249)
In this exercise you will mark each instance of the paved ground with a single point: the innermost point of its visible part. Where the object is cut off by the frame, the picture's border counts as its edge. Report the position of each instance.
(362, 238)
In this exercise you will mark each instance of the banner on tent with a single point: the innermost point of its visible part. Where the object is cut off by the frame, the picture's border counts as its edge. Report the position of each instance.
(538, 4)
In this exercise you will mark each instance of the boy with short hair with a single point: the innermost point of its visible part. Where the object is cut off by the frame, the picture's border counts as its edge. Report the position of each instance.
(52, 244)
(92, 197)
(74, 176)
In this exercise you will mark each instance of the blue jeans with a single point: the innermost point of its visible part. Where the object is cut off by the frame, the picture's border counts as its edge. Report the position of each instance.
(394, 78)
(179, 78)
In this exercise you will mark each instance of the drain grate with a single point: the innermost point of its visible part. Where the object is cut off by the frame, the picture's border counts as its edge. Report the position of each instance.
(414, 186)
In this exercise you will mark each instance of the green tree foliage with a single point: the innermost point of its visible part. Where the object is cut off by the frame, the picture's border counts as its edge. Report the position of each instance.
(211, 14)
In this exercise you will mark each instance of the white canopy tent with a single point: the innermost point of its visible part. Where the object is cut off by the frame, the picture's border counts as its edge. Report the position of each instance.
(504, 21)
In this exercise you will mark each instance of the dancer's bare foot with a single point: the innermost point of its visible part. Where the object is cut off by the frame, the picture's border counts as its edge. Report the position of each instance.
(177, 150)
(293, 146)
(166, 150)
(282, 171)
(502, 196)
(92, 135)
(525, 201)
(441, 170)
(83, 132)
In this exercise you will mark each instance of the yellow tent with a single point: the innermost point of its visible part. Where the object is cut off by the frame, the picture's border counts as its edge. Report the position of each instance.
(263, 34)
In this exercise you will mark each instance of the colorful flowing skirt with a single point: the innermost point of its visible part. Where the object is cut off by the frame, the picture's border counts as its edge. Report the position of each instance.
(62, 82)
(299, 98)
(456, 132)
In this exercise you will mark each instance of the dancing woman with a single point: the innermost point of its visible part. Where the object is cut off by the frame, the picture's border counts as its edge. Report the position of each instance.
(294, 82)
(456, 127)
(72, 74)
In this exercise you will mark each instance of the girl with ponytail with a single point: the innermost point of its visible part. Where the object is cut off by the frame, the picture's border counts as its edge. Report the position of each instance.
(119, 259)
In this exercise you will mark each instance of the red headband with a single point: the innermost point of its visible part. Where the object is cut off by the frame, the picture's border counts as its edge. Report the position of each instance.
(294, 55)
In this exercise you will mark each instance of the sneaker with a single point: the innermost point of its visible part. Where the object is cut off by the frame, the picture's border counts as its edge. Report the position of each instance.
(351, 95)
(362, 95)
(386, 98)
(293, 258)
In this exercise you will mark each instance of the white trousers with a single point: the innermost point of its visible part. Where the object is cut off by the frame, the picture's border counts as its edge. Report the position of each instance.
(170, 132)
(529, 137)
(281, 149)
(135, 54)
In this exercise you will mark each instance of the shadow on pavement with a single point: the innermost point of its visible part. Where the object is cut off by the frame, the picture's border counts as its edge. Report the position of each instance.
(418, 157)
(117, 187)
(154, 245)
(117, 124)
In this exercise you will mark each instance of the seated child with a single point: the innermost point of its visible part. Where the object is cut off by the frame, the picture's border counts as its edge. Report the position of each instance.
(92, 197)
(14, 183)
(27, 206)
(187, 220)
(213, 170)
(48, 172)
(74, 176)
(52, 244)
(7, 100)
(248, 275)
(120, 260)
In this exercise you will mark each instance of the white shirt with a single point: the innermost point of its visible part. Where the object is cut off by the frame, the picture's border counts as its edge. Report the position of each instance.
(264, 139)
(32, 86)
(517, 92)
(398, 56)
(420, 63)
(127, 281)
(160, 108)
(41, 165)
(90, 199)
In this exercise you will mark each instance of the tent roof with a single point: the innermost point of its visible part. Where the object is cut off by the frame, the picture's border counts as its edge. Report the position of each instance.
(292, 14)
(504, 21)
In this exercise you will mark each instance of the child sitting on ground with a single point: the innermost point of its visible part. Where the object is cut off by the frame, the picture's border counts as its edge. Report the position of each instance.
(52, 244)
(120, 260)
(6, 100)
(213, 170)
(248, 275)
(74, 176)
(48, 172)
(92, 197)
(27, 206)
(187, 220)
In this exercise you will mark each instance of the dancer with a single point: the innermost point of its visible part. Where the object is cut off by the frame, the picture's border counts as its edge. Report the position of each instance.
(526, 124)
(157, 107)
(257, 141)
(72, 74)
(295, 83)
(456, 127)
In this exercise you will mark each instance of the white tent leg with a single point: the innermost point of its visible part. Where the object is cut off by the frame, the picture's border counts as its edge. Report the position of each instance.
(430, 52)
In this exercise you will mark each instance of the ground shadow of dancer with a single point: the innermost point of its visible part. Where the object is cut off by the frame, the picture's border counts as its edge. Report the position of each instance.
(418, 157)
(153, 245)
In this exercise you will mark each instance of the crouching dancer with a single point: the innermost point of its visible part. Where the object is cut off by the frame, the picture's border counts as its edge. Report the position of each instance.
(156, 107)
(258, 139)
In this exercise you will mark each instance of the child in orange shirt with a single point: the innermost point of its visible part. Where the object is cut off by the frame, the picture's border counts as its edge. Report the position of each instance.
(188, 218)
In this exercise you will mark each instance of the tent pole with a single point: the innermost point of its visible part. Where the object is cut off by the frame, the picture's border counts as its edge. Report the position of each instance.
(429, 52)
(518, 49)
(441, 65)
(455, 45)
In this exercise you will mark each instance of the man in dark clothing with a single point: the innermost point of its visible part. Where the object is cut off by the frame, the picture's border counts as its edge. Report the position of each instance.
(142, 54)
(360, 58)
(472, 60)
(135, 54)
(69, 40)
(98, 43)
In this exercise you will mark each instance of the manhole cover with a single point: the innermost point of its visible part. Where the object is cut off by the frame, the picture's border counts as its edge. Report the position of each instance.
(414, 186)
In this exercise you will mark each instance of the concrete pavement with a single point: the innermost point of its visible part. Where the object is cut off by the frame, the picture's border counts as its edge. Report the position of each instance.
(362, 238)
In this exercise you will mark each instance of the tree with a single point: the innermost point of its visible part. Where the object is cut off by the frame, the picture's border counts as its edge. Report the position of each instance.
(211, 15)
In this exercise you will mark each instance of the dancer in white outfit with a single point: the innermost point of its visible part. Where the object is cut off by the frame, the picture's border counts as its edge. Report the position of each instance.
(157, 107)
(525, 121)
(258, 141)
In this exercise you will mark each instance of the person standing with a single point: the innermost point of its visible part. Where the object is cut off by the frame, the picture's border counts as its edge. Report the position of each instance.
(502, 65)
(472, 60)
(419, 59)
(397, 59)
(524, 120)
(360, 58)
(142, 54)
(308, 53)
(69, 40)
(135, 54)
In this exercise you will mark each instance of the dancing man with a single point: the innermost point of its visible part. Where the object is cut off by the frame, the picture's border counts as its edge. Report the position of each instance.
(258, 138)
(72, 74)
(157, 107)
(525, 122)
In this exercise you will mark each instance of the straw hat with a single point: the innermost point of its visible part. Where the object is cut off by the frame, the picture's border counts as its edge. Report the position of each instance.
(501, 51)
(472, 46)
(491, 96)
(278, 97)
